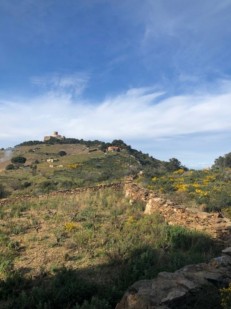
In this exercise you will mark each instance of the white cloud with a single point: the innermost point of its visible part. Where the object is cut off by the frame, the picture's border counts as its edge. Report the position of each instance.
(73, 83)
(134, 114)
(140, 115)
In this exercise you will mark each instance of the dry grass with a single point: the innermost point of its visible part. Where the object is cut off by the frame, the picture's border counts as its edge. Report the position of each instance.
(97, 236)
(50, 233)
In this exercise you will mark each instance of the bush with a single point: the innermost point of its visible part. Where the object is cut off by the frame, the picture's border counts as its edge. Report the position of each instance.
(18, 159)
(47, 186)
(226, 297)
(26, 184)
(2, 192)
(218, 201)
(62, 153)
(10, 167)
(65, 290)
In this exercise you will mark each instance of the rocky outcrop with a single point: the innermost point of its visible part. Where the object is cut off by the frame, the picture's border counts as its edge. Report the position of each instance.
(169, 290)
(213, 224)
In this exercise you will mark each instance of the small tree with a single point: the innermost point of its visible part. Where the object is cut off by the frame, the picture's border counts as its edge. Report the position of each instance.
(18, 159)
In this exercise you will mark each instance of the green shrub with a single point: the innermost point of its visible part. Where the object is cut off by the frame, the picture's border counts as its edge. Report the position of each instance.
(62, 153)
(26, 184)
(218, 201)
(65, 290)
(18, 159)
(2, 191)
(10, 167)
(47, 186)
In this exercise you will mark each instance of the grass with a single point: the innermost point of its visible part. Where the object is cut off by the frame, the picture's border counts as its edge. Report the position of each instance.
(76, 169)
(84, 251)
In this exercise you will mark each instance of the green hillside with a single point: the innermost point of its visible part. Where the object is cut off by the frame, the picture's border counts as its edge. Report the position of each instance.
(70, 163)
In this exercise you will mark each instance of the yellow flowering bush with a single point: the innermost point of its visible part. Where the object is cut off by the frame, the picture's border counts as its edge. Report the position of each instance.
(181, 187)
(226, 297)
(208, 187)
(201, 193)
(74, 165)
(71, 226)
(179, 172)
(196, 185)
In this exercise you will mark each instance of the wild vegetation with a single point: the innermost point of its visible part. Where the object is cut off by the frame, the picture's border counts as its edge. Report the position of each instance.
(36, 168)
(223, 162)
(84, 251)
(208, 189)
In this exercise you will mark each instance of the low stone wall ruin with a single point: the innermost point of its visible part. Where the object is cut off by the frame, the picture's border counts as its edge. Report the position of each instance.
(176, 290)
(213, 224)
(115, 186)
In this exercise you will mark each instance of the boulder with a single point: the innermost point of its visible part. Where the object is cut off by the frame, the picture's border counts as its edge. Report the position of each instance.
(169, 289)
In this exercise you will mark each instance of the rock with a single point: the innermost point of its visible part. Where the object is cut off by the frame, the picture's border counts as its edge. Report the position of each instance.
(168, 289)
(227, 251)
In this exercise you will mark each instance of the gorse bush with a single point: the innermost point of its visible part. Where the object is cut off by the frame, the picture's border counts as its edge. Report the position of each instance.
(208, 188)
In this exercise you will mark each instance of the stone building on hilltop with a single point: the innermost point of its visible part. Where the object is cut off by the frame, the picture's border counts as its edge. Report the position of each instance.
(113, 149)
(54, 135)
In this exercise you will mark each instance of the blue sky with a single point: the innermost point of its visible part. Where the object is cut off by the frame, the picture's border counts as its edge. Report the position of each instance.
(155, 73)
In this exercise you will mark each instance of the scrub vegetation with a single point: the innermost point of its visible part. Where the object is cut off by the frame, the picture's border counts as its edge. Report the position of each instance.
(84, 250)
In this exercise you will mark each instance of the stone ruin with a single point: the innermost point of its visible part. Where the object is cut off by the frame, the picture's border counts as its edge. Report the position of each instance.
(181, 288)
(213, 224)
(54, 135)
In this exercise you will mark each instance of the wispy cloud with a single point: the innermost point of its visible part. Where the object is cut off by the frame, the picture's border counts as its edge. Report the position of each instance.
(71, 83)
(135, 114)
(186, 126)
(182, 37)
(165, 18)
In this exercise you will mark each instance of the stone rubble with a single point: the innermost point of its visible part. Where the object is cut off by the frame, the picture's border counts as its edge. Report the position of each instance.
(211, 223)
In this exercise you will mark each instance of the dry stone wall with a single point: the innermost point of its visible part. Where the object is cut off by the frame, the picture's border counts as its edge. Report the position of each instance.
(76, 191)
(213, 224)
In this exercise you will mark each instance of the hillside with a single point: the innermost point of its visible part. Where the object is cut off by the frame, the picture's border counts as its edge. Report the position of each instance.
(72, 237)
(69, 163)
(84, 249)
